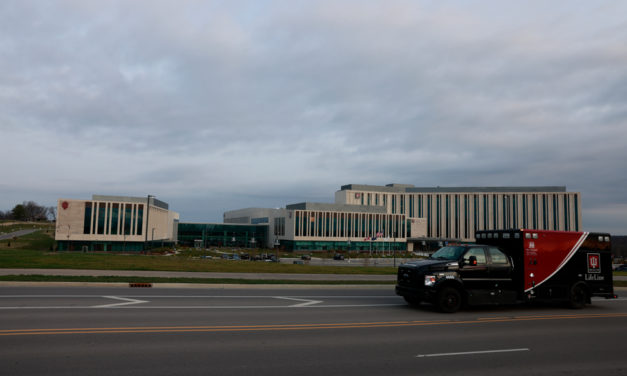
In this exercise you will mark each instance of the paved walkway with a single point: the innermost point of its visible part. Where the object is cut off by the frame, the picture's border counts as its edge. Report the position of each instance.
(10, 235)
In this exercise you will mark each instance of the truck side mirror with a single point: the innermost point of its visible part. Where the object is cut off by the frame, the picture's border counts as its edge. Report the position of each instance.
(472, 260)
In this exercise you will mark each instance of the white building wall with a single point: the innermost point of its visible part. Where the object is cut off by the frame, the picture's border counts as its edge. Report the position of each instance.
(71, 221)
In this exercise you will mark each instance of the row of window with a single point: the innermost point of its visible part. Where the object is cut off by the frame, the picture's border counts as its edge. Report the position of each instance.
(221, 235)
(459, 215)
(348, 225)
(112, 218)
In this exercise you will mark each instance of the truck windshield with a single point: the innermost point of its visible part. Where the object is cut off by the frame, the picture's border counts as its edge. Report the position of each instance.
(448, 253)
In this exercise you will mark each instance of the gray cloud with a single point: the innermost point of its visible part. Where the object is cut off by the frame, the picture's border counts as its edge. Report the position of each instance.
(241, 104)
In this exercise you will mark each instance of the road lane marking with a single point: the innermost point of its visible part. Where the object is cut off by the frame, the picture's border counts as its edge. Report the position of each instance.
(15, 308)
(213, 296)
(306, 302)
(126, 301)
(286, 327)
(131, 301)
(471, 353)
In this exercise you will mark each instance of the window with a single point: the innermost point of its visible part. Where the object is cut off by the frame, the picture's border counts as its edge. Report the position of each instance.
(87, 219)
(478, 253)
(279, 226)
(448, 253)
(140, 219)
(101, 218)
(497, 256)
(114, 219)
(128, 210)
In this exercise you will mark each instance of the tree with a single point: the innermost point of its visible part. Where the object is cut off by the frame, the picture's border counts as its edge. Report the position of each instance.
(35, 212)
(30, 211)
(52, 213)
(18, 213)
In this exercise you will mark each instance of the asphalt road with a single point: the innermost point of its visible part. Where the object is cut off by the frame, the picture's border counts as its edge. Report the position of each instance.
(356, 331)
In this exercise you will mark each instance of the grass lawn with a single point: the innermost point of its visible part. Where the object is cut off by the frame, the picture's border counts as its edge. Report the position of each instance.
(21, 258)
(35, 251)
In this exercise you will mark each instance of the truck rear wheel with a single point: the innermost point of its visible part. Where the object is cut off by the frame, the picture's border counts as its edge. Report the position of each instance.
(578, 296)
(448, 300)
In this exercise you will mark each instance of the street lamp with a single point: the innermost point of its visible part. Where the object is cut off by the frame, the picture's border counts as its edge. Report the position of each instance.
(277, 243)
(147, 218)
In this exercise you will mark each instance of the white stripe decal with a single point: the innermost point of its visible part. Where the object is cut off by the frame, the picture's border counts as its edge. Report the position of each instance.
(570, 255)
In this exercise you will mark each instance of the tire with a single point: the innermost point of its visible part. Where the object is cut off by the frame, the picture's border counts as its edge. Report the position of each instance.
(412, 301)
(449, 300)
(578, 297)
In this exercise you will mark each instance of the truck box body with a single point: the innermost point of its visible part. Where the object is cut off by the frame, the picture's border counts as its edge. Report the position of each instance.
(548, 263)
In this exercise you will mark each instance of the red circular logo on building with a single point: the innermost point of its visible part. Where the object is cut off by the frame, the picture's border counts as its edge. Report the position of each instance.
(64, 205)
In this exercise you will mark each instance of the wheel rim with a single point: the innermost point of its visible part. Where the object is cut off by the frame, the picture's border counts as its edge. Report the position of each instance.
(578, 295)
(451, 301)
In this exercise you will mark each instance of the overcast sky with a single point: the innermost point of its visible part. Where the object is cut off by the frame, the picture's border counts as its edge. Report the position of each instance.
(216, 106)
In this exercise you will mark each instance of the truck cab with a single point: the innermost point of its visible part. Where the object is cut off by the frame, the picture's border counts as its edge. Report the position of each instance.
(457, 274)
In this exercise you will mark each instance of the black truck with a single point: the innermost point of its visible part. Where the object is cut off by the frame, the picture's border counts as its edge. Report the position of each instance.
(512, 266)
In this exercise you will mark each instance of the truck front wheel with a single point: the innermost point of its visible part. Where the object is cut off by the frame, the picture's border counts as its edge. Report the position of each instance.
(448, 300)
(578, 296)
(412, 300)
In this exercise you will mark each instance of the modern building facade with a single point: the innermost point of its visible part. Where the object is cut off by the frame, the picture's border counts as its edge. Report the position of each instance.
(114, 223)
(402, 216)
(204, 235)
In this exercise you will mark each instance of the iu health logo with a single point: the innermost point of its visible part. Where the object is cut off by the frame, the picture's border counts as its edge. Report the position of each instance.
(594, 263)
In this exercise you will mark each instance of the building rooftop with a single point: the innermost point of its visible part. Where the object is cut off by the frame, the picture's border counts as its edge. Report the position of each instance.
(136, 200)
(337, 207)
(408, 188)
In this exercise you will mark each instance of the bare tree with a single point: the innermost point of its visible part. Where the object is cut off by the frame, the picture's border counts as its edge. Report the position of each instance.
(34, 212)
(52, 213)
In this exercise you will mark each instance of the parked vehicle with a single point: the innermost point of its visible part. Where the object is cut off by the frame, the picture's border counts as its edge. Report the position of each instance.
(512, 266)
(621, 268)
(338, 256)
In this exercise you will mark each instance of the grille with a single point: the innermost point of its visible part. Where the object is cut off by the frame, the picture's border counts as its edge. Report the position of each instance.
(406, 276)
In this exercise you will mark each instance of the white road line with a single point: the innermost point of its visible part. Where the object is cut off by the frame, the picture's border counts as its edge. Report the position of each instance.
(126, 302)
(121, 306)
(210, 296)
(307, 302)
(470, 353)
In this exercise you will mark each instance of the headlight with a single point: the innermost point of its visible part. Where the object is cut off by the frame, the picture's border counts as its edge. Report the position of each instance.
(430, 280)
